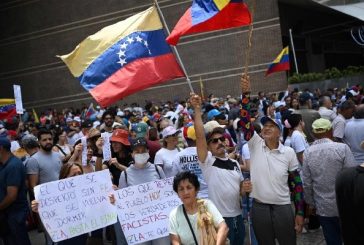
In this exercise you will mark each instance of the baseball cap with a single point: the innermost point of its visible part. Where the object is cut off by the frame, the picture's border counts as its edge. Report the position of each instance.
(139, 142)
(168, 131)
(321, 125)
(213, 113)
(121, 136)
(353, 92)
(304, 97)
(5, 142)
(141, 129)
(211, 125)
(77, 119)
(264, 120)
(86, 124)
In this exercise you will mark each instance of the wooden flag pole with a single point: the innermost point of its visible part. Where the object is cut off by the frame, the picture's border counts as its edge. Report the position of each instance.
(174, 47)
(202, 90)
(246, 83)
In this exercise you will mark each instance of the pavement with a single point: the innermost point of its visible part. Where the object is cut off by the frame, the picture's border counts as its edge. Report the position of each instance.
(309, 238)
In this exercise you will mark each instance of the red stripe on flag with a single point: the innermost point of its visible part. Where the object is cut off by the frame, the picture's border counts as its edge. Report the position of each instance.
(136, 76)
(233, 15)
(278, 67)
(8, 115)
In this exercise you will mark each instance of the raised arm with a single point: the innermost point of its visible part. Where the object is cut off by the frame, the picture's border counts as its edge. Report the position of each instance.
(244, 123)
(201, 143)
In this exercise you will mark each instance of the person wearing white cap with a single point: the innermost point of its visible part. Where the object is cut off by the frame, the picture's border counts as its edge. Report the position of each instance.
(165, 156)
(322, 162)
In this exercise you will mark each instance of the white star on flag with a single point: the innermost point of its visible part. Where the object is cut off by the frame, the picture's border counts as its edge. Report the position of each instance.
(121, 53)
(122, 62)
(139, 39)
(129, 39)
(123, 46)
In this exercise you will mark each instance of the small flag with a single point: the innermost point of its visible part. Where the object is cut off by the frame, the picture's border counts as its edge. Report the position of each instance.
(281, 63)
(90, 111)
(7, 112)
(124, 58)
(35, 115)
(210, 15)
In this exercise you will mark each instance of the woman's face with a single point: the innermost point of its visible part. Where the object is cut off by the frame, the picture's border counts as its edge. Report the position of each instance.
(90, 152)
(74, 171)
(294, 103)
(172, 140)
(116, 146)
(63, 137)
(187, 192)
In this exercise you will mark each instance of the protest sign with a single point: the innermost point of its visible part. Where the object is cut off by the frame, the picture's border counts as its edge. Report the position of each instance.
(18, 99)
(143, 210)
(106, 149)
(84, 150)
(76, 205)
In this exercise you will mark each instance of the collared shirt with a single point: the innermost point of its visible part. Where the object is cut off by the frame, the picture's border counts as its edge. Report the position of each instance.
(354, 137)
(327, 113)
(269, 171)
(322, 161)
(338, 126)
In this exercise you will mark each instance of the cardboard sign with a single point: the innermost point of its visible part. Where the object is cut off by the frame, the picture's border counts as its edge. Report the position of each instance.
(18, 99)
(76, 205)
(106, 148)
(143, 210)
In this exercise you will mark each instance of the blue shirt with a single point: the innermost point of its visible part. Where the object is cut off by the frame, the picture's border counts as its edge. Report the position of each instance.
(12, 173)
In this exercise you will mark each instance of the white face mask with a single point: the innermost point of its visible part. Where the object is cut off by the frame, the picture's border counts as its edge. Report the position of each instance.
(141, 159)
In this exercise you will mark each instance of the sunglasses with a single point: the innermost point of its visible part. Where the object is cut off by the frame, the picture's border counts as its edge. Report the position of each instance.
(215, 140)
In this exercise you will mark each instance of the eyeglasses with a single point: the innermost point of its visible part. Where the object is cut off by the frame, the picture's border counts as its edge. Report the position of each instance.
(215, 140)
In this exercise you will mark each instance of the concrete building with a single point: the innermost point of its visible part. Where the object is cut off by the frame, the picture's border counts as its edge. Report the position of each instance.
(35, 31)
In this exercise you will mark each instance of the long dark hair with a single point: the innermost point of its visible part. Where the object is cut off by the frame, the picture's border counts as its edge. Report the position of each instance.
(66, 168)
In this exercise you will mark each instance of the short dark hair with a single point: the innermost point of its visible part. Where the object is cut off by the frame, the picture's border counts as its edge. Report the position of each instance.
(187, 175)
(108, 112)
(43, 131)
(347, 104)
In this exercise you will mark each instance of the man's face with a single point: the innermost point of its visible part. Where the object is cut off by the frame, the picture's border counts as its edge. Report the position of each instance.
(270, 131)
(108, 120)
(46, 142)
(217, 144)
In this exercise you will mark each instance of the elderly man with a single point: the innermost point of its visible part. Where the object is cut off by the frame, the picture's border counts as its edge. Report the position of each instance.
(325, 109)
(222, 174)
(323, 160)
(345, 112)
(274, 172)
(354, 134)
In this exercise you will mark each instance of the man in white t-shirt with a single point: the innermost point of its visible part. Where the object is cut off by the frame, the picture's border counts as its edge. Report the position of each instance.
(187, 160)
(222, 174)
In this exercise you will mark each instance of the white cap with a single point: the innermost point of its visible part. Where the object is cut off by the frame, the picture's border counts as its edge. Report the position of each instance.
(168, 131)
(120, 114)
(95, 124)
(353, 92)
(209, 126)
(77, 119)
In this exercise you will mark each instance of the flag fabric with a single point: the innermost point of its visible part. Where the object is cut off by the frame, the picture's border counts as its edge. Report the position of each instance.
(281, 63)
(35, 115)
(124, 58)
(209, 15)
(90, 111)
(7, 101)
(7, 112)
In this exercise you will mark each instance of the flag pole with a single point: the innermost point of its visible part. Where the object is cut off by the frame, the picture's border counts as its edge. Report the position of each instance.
(247, 52)
(174, 48)
(293, 50)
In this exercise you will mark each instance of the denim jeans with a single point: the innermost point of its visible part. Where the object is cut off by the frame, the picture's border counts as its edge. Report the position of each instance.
(247, 212)
(331, 229)
(236, 229)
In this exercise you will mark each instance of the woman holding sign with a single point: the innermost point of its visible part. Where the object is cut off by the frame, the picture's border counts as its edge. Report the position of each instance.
(196, 221)
(68, 170)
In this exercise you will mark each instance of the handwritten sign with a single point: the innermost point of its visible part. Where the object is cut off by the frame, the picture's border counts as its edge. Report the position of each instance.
(106, 148)
(143, 210)
(76, 205)
(84, 151)
(18, 99)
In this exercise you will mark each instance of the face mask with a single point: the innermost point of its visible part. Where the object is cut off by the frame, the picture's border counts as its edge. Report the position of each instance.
(141, 159)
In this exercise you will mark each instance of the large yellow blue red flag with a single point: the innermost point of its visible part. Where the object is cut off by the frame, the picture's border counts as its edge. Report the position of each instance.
(281, 63)
(7, 109)
(124, 58)
(209, 15)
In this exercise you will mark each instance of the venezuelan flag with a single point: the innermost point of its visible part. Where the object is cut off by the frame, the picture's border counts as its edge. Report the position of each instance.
(281, 63)
(209, 15)
(7, 101)
(7, 112)
(124, 58)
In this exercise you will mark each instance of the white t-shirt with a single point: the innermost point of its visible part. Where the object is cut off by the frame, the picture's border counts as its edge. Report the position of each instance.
(298, 142)
(178, 224)
(14, 145)
(164, 158)
(223, 177)
(245, 152)
(187, 160)
(269, 171)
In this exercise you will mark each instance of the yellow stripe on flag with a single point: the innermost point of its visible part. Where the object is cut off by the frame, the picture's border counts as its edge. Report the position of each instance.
(36, 118)
(279, 57)
(220, 4)
(7, 102)
(93, 46)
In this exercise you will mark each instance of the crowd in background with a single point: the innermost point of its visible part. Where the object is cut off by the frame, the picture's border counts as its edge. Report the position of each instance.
(165, 135)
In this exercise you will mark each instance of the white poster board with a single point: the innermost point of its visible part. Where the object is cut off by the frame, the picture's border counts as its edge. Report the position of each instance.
(18, 99)
(76, 205)
(143, 210)
(106, 148)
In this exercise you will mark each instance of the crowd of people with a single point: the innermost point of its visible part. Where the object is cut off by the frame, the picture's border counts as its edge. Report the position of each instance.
(236, 162)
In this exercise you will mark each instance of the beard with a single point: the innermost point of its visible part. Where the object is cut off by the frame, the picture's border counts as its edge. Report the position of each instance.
(47, 147)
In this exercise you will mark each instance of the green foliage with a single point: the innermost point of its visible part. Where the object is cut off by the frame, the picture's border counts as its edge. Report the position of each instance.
(332, 73)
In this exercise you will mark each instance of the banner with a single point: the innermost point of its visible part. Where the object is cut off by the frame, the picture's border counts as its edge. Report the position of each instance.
(18, 100)
(143, 210)
(76, 205)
